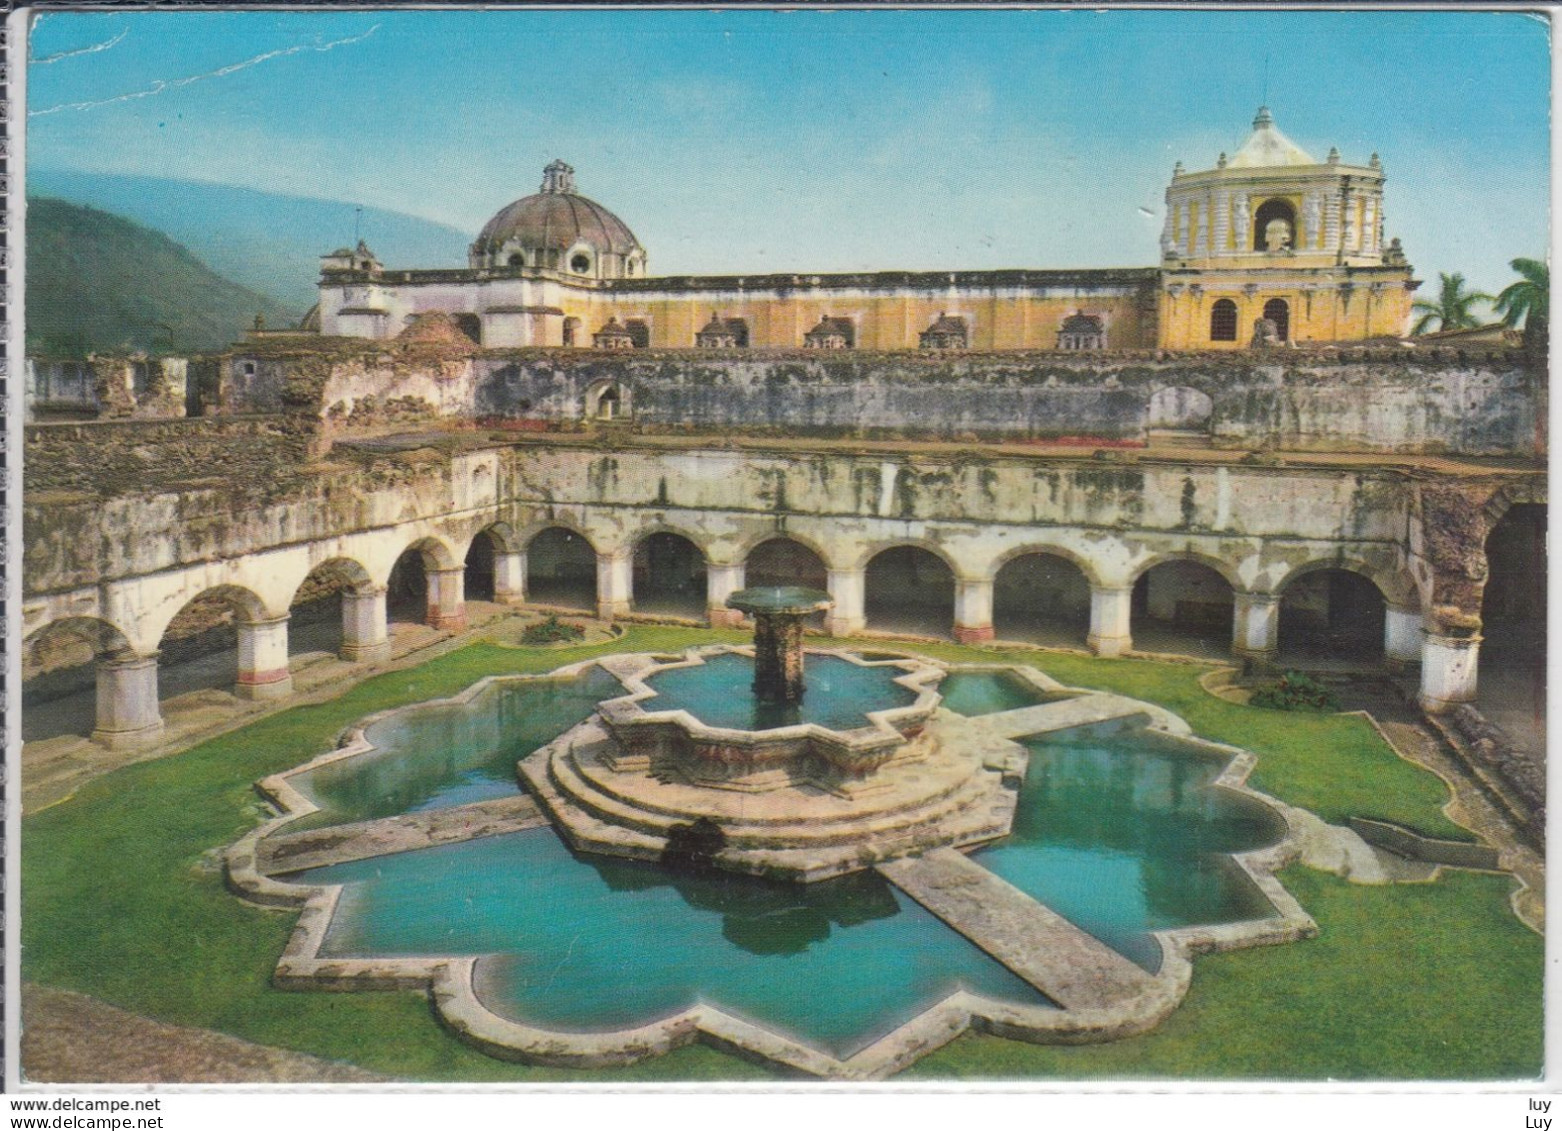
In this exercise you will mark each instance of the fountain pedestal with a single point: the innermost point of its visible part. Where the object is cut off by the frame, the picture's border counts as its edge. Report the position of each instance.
(778, 614)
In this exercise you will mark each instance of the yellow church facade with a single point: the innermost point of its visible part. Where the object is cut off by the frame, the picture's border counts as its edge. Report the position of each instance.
(1269, 247)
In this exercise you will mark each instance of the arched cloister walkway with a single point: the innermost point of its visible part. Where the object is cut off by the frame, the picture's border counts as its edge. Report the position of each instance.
(561, 570)
(785, 561)
(1512, 687)
(1331, 618)
(200, 648)
(1182, 607)
(1042, 598)
(669, 577)
(426, 587)
(60, 674)
(337, 610)
(908, 589)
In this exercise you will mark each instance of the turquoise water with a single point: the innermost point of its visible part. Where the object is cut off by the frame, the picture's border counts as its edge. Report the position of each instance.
(592, 943)
(1123, 837)
(984, 693)
(437, 756)
(837, 693)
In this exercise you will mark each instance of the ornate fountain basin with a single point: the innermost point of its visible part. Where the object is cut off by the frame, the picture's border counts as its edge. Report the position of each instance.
(839, 760)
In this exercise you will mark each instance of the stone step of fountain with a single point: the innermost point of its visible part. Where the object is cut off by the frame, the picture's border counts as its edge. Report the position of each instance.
(830, 822)
(934, 779)
(1073, 968)
(595, 824)
(338, 844)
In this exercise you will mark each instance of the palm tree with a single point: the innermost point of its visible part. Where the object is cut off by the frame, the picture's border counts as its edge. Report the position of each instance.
(1451, 311)
(1528, 300)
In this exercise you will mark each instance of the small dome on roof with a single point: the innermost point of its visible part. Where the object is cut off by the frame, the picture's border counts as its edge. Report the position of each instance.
(539, 230)
(1266, 146)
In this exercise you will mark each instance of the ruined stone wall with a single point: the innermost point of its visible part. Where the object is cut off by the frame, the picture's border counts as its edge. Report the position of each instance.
(1385, 399)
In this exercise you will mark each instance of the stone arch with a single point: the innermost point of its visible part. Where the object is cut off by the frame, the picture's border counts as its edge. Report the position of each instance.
(1331, 613)
(781, 559)
(1078, 560)
(1275, 209)
(769, 533)
(1042, 597)
(909, 588)
(1278, 311)
(608, 399)
(874, 549)
(316, 613)
(198, 648)
(561, 568)
(59, 675)
(409, 598)
(478, 566)
(1183, 603)
(1180, 407)
(1394, 588)
(669, 574)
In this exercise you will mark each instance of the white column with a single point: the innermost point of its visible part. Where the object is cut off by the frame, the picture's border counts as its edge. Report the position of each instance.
(846, 590)
(1401, 635)
(1109, 619)
(127, 712)
(721, 582)
(447, 598)
(263, 670)
(615, 583)
(510, 578)
(973, 610)
(1448, 670)
(364, 638)
(1255, 628)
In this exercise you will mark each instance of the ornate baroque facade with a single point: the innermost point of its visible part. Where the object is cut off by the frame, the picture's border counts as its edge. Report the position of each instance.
(1268, 234)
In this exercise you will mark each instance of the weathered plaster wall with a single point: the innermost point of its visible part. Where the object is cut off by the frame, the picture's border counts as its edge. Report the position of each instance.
(1383, 400)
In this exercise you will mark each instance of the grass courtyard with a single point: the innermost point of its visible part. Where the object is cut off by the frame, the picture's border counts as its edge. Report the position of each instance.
(123, 899)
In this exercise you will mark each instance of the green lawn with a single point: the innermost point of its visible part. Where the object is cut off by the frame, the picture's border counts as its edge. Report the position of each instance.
(123, 899)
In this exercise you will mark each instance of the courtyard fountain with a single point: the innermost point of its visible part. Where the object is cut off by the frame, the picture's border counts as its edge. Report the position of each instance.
(849, 820)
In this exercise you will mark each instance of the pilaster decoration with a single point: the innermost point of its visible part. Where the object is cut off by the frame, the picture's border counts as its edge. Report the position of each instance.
(1207, 229)
(1369, 226)
(1348, 207)
(1222, 220)
(1331, 221)
(1241, 215)
(1182, 227)
(1312, 219)
(1250, 289)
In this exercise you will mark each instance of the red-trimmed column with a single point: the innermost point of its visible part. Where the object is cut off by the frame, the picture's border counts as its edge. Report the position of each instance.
(615, 583)
(1110, 610)
(364, 636)
(263, 670)
(721, 582)
(510, 578)
(973, 611)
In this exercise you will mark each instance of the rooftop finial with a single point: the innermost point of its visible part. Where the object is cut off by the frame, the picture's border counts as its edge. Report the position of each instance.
(1264, 118)
(558, 177)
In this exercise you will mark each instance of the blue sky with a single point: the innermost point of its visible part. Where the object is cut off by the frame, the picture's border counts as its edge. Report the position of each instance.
(818, 140)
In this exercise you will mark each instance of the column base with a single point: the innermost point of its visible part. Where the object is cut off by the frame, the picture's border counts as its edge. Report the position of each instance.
(1108, 646)
(264, 685)
(129, 739)
(608, 610)
(366, 653)
(973, 634)
(1434, 706)
(509, 598)
(448, 622)
(725, 618)
(1261, 658)
(844, 626)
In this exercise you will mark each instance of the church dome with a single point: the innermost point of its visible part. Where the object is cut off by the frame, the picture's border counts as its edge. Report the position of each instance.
(1267, 147)
(558, 229)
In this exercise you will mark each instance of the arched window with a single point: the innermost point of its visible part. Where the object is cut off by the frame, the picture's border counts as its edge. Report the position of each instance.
(1278, 311)
(517, 260)
(1223, 321)
(1280, 214)
(580, 264)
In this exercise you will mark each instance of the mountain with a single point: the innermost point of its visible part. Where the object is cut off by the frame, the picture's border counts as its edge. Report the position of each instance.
(267, 242)
(96, 281)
